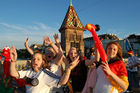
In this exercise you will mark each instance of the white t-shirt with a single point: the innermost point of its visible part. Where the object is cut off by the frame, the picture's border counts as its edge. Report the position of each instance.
(103, 85)
(47, 80)
(132, 61)
(56, 69)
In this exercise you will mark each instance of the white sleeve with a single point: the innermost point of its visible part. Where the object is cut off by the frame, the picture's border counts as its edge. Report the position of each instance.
(22, 73)
(54, 68)
(51, 79)
(137, 60)
(129, 63)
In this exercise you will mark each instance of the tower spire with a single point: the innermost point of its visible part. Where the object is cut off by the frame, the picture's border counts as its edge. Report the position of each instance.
(70, 2)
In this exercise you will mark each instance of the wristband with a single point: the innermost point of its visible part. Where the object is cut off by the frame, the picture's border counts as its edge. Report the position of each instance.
(67, 74)
(51, 43)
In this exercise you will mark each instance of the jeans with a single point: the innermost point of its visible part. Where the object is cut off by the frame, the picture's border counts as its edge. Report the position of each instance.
(133, 80)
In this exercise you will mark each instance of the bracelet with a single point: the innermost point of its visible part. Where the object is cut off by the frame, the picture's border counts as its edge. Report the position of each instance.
(51, 43)
(67, 74)
(89, 66)
(12, 61)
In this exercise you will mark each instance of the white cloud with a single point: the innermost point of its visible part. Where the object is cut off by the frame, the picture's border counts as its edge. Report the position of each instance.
(17, 34)
(87, 35)
(33, 28)
(12, 26)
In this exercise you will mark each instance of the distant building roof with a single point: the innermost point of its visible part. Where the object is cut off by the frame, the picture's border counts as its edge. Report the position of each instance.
(106, 36)
(109, 36)
(133, 36)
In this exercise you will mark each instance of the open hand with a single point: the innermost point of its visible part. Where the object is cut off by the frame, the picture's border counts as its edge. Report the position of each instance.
(73, 64)
(47, 40)
(13, 54)
(26, 42)
(56, 38)
(106, 68)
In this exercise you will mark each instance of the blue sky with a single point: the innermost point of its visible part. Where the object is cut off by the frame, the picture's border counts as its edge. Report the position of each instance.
(20, 19)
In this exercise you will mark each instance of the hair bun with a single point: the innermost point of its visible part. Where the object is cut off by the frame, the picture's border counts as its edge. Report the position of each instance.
(97, 27)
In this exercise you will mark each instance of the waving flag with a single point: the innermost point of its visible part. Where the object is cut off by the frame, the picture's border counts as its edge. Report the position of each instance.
(128, 47)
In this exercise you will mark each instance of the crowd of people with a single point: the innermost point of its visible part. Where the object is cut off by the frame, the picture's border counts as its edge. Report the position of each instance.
(53, 72)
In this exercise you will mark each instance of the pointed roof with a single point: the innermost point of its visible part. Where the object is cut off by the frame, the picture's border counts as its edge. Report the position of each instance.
(71, 20)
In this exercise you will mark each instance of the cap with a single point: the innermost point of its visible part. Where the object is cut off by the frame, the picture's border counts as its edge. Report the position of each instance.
(130, 53)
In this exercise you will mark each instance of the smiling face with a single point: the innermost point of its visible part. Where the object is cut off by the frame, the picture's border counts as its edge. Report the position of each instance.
(49, 55)
(37, 62)
(112, 51)
(73, 54)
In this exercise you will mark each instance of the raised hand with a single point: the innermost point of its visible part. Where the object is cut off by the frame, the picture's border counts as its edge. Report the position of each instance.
(47, 40)
(73, 64)
(59, 57)
(27, 47)
(27, 42)
(106, 68)
(56, 38)
(57, 41)
(13, 54)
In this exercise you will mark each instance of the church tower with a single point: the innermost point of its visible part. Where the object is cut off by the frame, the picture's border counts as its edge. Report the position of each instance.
(72, 31)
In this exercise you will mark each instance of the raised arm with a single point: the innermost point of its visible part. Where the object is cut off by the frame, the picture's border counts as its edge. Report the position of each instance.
(93, 60)
(13, 55)
(59, 58)
(57, 41)
(27, 47)
(66, 75)
(47, 40)
(59, 46)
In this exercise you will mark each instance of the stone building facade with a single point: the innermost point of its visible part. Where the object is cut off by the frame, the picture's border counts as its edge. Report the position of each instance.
(72, 32)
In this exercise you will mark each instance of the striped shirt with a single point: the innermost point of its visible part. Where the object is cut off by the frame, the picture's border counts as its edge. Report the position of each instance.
(132, 61)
